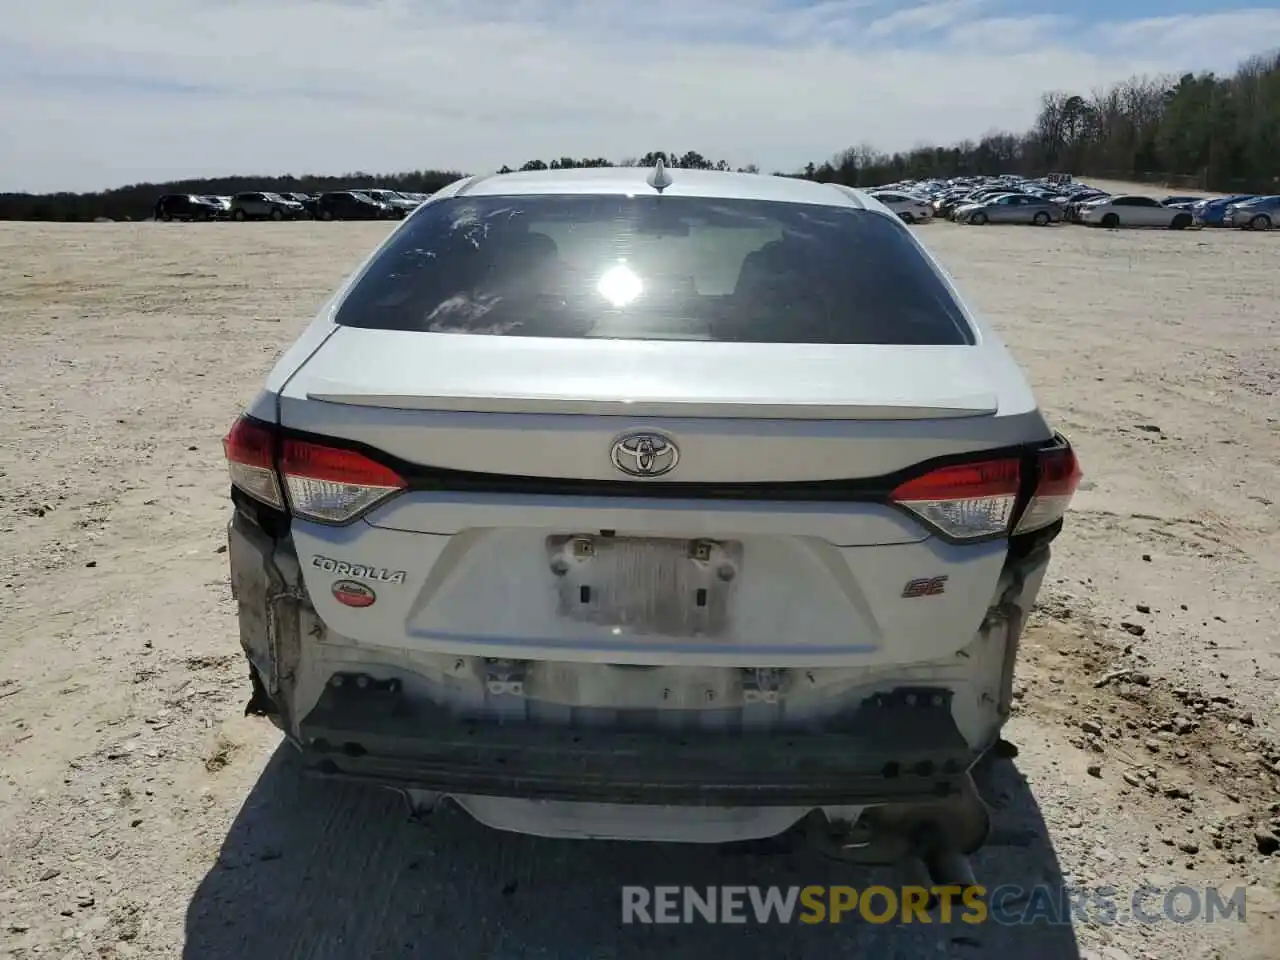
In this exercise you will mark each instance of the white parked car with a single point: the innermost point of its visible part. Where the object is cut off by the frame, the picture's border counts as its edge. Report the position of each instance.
(910, 209)
(648, 504)
(1133, 210)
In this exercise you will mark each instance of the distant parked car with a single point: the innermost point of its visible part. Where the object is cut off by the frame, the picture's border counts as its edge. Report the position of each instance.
(400, 205)
(945, 205)
(352, 205)
(908, 208)
(1180, 201)
(187, 206)
(308, 202)
(1010, 208)
(222, 203)
(1077, 202)
(1260, 213)
(1134, 210)
(1210, 212)
(264, 206)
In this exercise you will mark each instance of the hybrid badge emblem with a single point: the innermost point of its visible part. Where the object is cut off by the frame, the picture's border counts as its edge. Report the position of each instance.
(644, 454)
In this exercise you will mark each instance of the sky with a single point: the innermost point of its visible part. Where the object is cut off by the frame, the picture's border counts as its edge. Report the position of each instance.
(95, 94)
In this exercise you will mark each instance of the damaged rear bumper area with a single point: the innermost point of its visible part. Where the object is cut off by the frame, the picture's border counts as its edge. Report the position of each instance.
(887, 750)
(901, 746)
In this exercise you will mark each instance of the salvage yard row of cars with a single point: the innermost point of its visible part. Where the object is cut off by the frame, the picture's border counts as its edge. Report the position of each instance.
(362, 204)
(1011, 199)
(970, 200)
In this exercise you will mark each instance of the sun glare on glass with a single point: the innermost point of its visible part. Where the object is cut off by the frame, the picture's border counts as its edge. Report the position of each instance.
(620, 285)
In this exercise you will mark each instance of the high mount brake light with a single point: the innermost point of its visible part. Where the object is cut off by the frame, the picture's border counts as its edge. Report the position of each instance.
(965, 501)
(1057, 476)
(324, 483)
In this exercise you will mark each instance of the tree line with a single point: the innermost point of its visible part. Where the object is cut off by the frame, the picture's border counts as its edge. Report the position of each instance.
(1197, 130)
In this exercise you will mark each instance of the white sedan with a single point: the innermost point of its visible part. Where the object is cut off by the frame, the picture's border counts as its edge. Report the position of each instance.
(908, 208)
(649, 504)
(1134, 210)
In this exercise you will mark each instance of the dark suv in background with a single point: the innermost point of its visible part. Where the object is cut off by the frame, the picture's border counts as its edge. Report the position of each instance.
(308, 203)
(264, 206)
(353, 205)
(187, 206)
(400, 205)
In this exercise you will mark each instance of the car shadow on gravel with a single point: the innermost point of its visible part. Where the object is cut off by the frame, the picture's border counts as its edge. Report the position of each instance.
(319, 869)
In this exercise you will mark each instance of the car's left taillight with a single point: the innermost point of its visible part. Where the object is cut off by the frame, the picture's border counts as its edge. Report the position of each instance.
(250, 448)
(333, 485)
(317, 481)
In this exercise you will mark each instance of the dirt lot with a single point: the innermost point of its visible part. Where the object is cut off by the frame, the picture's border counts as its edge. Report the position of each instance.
(141, 815)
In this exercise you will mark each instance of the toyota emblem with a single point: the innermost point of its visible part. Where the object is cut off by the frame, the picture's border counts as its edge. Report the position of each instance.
(644, 454)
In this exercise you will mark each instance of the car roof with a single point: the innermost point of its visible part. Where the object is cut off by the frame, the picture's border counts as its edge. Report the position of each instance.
(622, 181)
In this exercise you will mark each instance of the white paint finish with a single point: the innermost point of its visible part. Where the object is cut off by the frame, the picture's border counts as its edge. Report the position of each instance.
(797, 600)
(711, 449)
(842, 524)
(447, 371)
(625, 181)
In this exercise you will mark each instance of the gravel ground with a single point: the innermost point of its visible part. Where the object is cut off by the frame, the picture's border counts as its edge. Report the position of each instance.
(142, 815)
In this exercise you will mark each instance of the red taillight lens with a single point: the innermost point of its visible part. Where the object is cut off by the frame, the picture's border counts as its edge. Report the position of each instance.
(966, 501)
(1058, 475)
(323, 483)
(333, 485)
(250, 451)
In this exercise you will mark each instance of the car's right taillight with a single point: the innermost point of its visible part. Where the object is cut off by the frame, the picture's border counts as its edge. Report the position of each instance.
(1057, 476)
(980, 499)
(966, 501)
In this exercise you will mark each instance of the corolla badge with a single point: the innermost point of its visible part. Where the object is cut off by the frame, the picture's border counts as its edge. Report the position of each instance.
(644, 454)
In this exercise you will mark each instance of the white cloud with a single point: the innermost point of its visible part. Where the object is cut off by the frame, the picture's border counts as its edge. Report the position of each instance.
(927, 16)
(1005, 34)
(100, 94)
(1244, 31)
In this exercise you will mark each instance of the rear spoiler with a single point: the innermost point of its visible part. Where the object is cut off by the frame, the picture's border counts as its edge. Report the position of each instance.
(973, 405)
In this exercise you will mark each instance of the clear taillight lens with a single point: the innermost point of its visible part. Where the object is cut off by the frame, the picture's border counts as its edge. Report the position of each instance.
(250, 451)
(965, 501)
(328, 484)
(333, 485)
(1058, 475)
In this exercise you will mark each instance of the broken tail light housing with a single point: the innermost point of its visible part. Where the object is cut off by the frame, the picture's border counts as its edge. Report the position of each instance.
(250, 449)
(316, 481)
(1008, 495)
(1057, 476)
(966, 501)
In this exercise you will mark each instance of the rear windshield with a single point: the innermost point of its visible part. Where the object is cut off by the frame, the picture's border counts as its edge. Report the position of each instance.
(656, 268)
